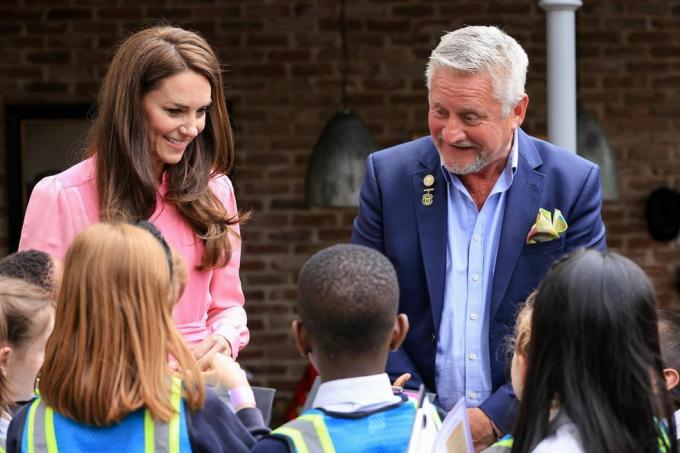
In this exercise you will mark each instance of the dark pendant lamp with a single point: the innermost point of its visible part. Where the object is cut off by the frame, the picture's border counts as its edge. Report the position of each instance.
(338, 162)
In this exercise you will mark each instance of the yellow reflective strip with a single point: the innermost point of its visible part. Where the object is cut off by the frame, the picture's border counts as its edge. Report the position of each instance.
(173, 426)
(321, 431)
(295, 436)
(149, 444)
(663, 442)
(50, 437)
(31, 426)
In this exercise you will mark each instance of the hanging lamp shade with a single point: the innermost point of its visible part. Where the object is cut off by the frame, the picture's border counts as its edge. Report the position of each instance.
(592, 144)
(338, 162)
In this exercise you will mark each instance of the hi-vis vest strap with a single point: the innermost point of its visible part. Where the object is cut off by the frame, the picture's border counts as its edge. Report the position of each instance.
(159, 437)
(504, 444)
(309, 433)
(664, 441)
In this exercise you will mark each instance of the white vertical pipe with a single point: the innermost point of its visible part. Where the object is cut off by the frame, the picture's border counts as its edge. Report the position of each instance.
(561, 33)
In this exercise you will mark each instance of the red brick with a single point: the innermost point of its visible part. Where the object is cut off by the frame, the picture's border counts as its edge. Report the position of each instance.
(413, 11)
(46, 88)
(129, 12)
(48, 57)
(46, 28)
(22, 14)
(286, 236)
(170, 13)
(665, 51)
(69, 14)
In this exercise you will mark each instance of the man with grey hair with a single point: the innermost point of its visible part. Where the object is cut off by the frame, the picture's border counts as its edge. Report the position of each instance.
(472, 217)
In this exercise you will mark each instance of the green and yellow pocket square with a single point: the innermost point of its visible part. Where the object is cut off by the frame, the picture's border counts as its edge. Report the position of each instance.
(547, 227)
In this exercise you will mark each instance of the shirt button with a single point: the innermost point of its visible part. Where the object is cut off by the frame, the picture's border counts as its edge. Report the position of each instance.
(473, 356)
(475, 277)
(473, 395)
(474, 316)
(476, 238)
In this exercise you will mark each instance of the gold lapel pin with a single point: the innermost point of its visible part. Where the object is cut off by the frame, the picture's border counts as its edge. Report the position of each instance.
(428, 197)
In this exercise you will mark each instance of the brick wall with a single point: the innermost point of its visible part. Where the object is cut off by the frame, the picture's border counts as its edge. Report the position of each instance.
(283, 77)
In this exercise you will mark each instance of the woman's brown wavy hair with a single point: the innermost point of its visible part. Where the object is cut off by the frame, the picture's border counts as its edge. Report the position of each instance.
(114, 332)
(126, 181)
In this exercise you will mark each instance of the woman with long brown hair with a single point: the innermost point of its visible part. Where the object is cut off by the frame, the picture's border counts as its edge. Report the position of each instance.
(159, 150)
(106, 381)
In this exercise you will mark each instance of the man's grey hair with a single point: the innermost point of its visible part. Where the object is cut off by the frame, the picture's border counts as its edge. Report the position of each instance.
(478, 50)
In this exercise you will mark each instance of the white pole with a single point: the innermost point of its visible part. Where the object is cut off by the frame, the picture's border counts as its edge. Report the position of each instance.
(560, 22)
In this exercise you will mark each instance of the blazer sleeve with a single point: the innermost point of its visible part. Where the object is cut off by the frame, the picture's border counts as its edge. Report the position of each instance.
(368, 226)
(226, 315)
(53, 218)
(586, 228)
(501, 407)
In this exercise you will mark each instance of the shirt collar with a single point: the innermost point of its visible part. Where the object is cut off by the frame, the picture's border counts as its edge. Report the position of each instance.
(359, 391)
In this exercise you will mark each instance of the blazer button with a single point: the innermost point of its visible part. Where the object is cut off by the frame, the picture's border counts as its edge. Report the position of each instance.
(434, 338)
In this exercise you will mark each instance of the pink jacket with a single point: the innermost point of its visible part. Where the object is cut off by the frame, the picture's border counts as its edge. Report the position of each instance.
(63, 205)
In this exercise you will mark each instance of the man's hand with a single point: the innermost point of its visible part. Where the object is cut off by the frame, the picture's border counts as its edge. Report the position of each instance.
(206, 349)
(481, 428)
(401, 380)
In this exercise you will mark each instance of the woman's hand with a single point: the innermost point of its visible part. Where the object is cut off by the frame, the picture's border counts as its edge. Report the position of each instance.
(206, 349)
(223, 371)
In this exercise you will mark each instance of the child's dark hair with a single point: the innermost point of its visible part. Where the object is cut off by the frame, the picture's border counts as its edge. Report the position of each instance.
(595, 350)
(669, 341)
(348, 299)
(33, 266)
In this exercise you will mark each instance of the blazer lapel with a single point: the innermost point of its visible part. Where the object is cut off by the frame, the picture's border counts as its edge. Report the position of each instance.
(431, 221)
(520, 213)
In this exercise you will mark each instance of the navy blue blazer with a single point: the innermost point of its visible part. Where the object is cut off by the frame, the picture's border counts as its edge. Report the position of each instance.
(393, 220)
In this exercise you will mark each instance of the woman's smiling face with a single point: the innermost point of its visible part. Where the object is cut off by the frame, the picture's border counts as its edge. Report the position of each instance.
(176, 112)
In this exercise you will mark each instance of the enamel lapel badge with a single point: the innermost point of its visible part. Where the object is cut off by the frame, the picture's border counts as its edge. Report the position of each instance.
(428, 196)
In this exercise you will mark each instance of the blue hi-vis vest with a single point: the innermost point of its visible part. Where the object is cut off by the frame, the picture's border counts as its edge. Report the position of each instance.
(46, 431)
(385, 430)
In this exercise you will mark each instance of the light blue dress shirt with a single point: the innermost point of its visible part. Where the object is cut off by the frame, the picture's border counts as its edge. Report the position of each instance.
(462, 364)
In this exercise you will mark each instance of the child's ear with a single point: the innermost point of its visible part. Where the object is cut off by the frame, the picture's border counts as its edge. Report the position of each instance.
(672, 377)
(399, 331)
(301, 338)
(5, 354)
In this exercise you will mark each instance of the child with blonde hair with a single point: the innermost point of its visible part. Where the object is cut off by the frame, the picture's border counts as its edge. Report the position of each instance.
(106, 382)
